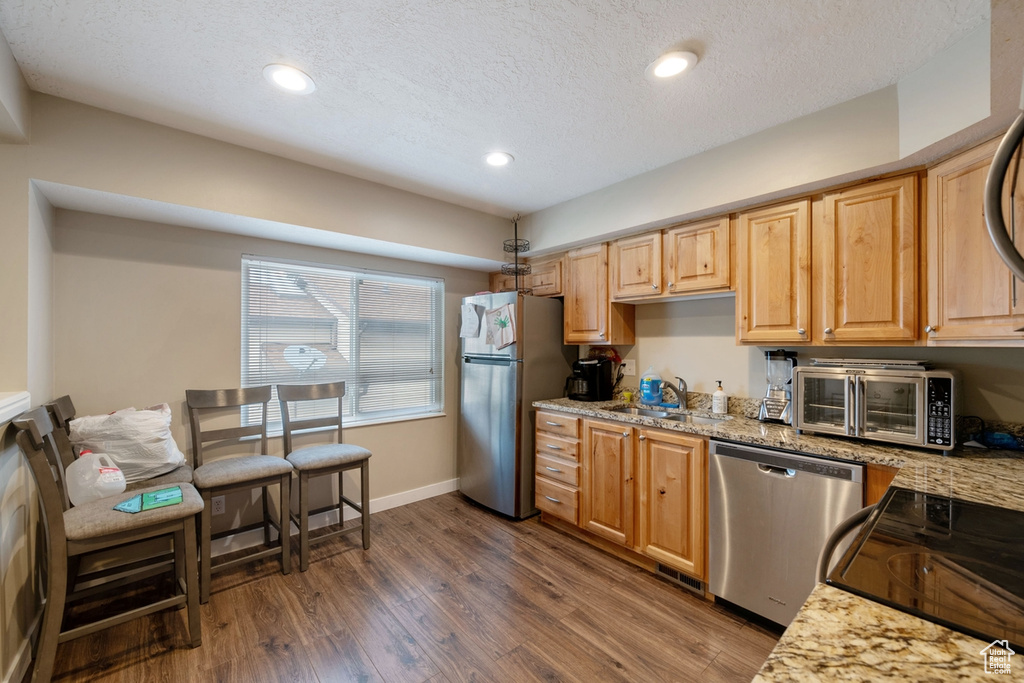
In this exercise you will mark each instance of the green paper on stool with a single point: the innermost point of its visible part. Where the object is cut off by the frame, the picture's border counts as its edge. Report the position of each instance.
(161, 498)
(133, 505)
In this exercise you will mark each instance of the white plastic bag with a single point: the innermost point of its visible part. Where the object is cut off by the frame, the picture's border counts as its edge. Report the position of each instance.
(138, 441)
(93, 476)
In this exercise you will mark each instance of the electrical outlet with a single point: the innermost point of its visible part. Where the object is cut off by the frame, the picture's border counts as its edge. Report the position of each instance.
(630, 369)
(218, 505)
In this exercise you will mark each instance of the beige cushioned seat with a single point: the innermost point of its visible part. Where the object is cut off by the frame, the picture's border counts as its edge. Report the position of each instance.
(237, 470)
(327, 455)
(179, 475)
(99, 518)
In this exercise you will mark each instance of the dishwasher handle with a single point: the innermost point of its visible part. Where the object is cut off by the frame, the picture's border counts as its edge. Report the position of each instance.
(837, 536)
(778, 471)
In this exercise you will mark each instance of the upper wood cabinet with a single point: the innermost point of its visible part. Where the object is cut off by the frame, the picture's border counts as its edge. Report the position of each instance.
(502, 283)
(590, 316)
(696, 257)
(636, 266)
(865, 260)
(972, 296)
(672, 506)
(773, 278)
(545, 278)
(608, 481)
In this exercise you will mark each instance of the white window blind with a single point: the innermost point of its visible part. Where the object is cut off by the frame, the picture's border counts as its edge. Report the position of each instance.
(380, 333)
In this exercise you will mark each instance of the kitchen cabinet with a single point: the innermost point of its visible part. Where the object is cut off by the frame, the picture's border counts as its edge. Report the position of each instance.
(557, 468)
(500, 282)
(865, 258)
(608, 481)
(590, 316)
(697, 257)
(773, 278)
(877, 479)
(545, 278)
(673, 500)
(636, 266)
(972, 295)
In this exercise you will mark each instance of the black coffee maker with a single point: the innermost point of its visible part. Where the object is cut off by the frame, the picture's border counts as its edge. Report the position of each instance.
(591, 380)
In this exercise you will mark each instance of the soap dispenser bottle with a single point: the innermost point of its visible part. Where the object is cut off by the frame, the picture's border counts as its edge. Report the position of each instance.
(719, 400)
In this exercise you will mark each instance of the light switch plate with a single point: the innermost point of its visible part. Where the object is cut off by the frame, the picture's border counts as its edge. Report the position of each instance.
(630, 369)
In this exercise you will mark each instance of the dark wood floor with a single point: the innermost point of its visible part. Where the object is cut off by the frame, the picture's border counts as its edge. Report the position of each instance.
(447, 592)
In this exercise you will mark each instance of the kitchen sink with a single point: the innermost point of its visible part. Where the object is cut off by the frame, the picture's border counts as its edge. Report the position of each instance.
(697, 419)
(643, 412)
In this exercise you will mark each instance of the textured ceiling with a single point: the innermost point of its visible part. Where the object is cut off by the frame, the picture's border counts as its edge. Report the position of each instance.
(412, 93)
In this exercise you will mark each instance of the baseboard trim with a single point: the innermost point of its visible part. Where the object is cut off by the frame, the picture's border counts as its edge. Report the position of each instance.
(22, 660)
(254, 537)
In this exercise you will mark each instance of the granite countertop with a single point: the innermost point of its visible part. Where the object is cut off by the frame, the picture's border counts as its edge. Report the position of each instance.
(838, 635)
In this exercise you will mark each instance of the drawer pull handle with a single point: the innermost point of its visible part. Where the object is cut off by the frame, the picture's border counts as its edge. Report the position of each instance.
(554, 447)
(553, 500)
(553, 469)
(553, 424)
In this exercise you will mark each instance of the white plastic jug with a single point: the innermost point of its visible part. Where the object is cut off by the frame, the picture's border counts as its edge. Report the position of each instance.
(93, 476)
(650, 387)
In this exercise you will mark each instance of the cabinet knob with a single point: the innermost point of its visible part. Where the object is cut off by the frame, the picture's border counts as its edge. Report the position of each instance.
(643, 438)
(801, 331)
(828, 330)
(601, 335)
(929, 329)
(625, 433)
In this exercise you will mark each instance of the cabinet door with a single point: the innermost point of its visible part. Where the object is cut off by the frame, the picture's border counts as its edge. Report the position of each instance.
(502, 283)
(773, 288)
(673, 511)
(607, 487)
(971, 294)
(865, 263)
(697, 257)
(636, 266)
(545, 278)
(590, 317)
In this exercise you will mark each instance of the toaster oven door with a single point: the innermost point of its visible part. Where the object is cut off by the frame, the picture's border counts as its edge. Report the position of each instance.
(891, 408)
(825, 402)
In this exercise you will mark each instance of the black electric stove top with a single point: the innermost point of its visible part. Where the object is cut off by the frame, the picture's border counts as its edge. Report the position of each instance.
(953, 562)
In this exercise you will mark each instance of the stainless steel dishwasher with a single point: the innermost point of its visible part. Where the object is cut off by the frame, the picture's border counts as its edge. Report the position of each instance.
(769, 514)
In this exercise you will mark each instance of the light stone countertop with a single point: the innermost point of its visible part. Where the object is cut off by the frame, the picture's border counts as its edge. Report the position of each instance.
(838, 636)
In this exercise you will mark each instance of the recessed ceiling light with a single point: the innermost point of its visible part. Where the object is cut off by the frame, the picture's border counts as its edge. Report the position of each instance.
(499, 158)
(289, 78)
(671, 64)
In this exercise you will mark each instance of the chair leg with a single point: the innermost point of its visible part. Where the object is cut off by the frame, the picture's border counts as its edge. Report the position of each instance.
(364, 501)
(191, 582)
(179, 559)
(53, 614)
(266, 518)
(303, 521)
(204, 548)
(286, 536)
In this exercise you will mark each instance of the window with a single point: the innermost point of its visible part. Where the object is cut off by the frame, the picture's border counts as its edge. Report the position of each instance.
(380, 333)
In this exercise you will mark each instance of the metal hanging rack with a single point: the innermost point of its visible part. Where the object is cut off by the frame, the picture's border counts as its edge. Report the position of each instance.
(517, 246)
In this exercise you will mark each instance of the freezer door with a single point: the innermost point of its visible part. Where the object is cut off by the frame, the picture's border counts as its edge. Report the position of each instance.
(487, 448)
(478, 346)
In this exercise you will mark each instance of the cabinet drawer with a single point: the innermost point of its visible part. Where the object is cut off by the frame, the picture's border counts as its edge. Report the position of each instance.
(556, 445)
(558, 423)
(558, 499)
(555, 468)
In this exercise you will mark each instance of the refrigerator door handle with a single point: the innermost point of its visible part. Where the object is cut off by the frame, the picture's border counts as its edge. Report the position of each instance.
(490, 360)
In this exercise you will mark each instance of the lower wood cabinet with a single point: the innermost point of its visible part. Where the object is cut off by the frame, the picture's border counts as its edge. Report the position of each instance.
(608, 481)
(673, 500)
(557, 468)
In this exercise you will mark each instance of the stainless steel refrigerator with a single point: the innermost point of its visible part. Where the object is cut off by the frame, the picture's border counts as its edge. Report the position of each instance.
(496, 421)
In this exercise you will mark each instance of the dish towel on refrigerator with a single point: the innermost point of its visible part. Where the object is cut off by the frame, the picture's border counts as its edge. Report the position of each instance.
(501, 325)
(470, 320)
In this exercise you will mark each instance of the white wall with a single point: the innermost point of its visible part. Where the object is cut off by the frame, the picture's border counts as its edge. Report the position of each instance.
(144, 311)
(697, 341)
(40, 297)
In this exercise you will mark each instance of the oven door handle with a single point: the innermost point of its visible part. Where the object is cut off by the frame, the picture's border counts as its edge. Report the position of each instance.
(851, 406)
(837, 536)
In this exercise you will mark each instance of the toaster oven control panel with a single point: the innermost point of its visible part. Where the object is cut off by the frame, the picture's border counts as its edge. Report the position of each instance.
(939, 429)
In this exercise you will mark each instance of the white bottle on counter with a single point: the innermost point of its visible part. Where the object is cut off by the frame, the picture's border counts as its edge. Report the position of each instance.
(719, 400)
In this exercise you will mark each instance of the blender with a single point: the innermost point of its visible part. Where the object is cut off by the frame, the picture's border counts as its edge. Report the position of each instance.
(777, 404)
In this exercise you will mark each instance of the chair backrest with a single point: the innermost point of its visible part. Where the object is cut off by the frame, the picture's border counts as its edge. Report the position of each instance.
(202, 402)
(297, 393)
(34, 438)
(61, 413)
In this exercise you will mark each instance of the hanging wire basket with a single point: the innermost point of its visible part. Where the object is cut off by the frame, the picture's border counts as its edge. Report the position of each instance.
(516, 269)
(517, 246)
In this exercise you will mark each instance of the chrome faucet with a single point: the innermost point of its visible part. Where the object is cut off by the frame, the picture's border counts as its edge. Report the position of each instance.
(680, 389)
